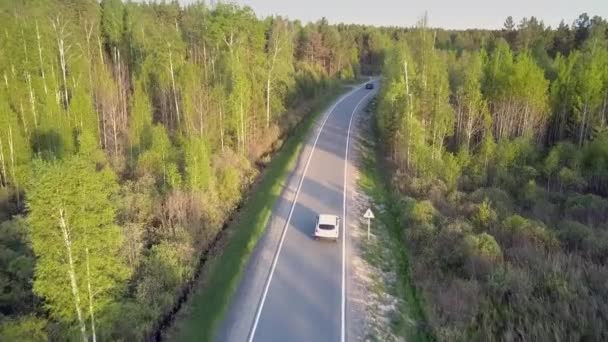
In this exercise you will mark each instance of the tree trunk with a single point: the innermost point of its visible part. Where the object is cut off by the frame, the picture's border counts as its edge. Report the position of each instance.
(469, 132)
(603, 114)
(409, 111)
(40, 57)
(122, 91)
(582, 128)
(91, 312)
(174, 89)
(72, 274)
(222, 128)
(32, 98)
(3, 177)
(268, 101)
(114, 131)
(201, 121)
(101, 50)
(61, 47)
(273, 60)
(23, 120)
(24, 48)
(242, 115)
(57, 91)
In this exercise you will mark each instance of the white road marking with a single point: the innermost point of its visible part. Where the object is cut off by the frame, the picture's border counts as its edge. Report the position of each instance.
(293, 205)
(343, 320)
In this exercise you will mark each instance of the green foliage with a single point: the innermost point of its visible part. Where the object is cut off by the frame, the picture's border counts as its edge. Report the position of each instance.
(17, 261)
(72, 216)
(570, 180)
(574, 235)
(517, 227)
(173, 105)
(228, 180)
(160, 160)
(112, 19)
(197, 164)
(594, 164)
(530, 194)
(588, 209)
(485, 216)
(498, 178)
(225, 269)
(450, 170)
(140, 128)
(162, 273)
(26, 328)
(483, 245)
(421, 212)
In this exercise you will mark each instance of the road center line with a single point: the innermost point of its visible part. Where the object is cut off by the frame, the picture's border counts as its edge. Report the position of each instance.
(293, 205)
(343, 320)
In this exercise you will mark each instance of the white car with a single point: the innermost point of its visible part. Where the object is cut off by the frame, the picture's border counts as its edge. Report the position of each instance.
(327, 227)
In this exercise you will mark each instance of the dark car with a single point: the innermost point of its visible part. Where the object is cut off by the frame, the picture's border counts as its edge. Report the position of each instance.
(369, 86)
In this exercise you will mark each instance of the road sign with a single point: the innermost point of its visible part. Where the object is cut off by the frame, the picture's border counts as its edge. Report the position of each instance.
(368, 215)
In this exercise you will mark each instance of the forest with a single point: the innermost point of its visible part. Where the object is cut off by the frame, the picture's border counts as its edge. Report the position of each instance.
(129, 134)
(498, 144)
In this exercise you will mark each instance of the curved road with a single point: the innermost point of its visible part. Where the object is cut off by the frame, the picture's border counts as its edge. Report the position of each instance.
(294, 287)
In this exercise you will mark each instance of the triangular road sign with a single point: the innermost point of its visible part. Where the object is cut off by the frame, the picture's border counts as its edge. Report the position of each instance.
(368, 214)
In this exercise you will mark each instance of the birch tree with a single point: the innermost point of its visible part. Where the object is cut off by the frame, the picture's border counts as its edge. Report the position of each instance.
(79, 271)
(279, 65)
(471, 109)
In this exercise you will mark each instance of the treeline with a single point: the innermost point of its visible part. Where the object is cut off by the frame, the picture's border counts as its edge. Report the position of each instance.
(499, 149)
(128, 134)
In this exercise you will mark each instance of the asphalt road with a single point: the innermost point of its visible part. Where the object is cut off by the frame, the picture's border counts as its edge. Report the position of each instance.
(294, 287)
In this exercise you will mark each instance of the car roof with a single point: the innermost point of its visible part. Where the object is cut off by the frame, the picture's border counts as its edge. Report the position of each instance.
(327, 219)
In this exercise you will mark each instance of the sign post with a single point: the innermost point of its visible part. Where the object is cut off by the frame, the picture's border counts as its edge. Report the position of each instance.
(368, 215)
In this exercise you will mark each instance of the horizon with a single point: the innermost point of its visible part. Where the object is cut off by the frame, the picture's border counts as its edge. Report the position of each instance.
(470, 14)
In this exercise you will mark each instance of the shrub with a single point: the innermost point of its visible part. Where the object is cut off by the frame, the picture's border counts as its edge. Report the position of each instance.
(421, 212)
(420, 235)
(450, 251)
(457, 304)
(459, 225)
(450, 170)
(594, 164)
(501, 201)
(163, 271)
(483, 245)
(482, 253)
(516, 229)
(573, 234)
(506, 283)
(570, 180)
(26, 328)
(544, 210)
(485, 216)
(529, 194)
(588, 209)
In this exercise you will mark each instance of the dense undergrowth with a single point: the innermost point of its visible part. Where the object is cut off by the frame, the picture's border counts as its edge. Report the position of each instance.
(499, 158)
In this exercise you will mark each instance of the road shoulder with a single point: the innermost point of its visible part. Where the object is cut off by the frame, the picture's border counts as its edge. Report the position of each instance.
(377, 299)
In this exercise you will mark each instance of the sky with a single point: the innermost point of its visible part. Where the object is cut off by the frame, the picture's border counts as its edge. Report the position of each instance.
(456, 14)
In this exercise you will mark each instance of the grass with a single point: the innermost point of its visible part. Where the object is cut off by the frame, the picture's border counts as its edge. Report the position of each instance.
(375, 182)
(223, 272)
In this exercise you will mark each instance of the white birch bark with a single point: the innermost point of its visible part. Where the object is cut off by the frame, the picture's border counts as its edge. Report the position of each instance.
(72, 273)
(40, 57)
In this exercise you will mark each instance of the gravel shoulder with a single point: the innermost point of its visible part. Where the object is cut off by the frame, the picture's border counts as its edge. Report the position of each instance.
(378, 310)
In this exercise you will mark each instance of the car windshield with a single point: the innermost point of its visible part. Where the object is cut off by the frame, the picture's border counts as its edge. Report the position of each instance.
(326, 226)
